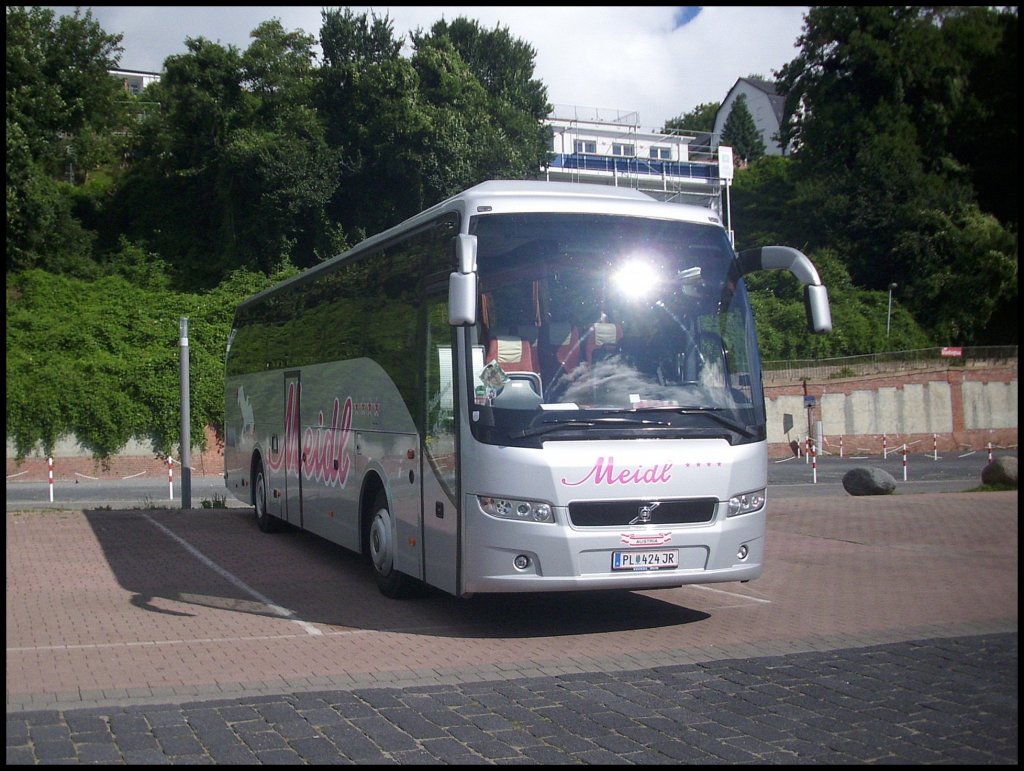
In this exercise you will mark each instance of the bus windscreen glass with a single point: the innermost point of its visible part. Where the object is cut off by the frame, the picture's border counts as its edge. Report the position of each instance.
(599, 326)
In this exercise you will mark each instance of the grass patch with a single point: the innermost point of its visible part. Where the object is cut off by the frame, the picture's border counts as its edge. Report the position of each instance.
(997, 488)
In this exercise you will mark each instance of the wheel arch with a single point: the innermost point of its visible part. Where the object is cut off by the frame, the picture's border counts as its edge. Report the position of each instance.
(373, 486)
(254, 464)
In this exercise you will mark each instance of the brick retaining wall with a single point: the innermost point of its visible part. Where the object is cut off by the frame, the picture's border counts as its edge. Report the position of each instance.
(958, 438)
(209, 462)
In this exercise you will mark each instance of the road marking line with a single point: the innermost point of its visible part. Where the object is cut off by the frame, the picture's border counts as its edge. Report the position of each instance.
(195, 641)
(731, 594)
(276, 609)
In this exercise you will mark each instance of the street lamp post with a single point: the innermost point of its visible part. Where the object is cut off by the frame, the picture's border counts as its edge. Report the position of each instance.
(888, 316)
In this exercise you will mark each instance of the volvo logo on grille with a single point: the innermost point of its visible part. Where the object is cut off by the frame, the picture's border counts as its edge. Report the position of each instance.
(646, 512)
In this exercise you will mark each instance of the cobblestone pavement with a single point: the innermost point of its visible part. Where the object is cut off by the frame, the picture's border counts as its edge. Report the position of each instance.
(937, 701)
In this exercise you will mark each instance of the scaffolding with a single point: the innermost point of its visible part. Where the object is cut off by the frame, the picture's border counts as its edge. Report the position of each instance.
(690, 176)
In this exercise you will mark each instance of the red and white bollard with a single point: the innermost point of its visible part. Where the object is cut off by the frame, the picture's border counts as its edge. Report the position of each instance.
(840, 445)
(904, 462)
(885, 452)
(935, 446)
(990, 452)
(170, 479)
(814, 464)
(49, 472)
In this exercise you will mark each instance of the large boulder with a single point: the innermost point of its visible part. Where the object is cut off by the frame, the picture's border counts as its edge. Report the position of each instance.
(865, 480)
(1001, 471)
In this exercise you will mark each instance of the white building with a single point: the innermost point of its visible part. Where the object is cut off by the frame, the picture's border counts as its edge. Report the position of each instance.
(135, 81)
(766, 107)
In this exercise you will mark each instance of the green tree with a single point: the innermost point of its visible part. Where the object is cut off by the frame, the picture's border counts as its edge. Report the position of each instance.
(170, 202)
(234, 170)
(764, 199)
(62, 121)
(983, 132)
(700, 118)
(505, 104)
(872, 99)
(411, 132)
(740, 132)
(368, 97)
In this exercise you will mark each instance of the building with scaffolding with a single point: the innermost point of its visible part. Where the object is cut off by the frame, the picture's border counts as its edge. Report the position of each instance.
(609, 147)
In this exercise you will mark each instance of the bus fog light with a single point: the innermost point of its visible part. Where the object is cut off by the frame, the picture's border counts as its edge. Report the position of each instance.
(743, 552)
(522, 562)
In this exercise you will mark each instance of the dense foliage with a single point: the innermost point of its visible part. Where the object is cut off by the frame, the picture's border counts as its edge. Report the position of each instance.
(700, 118)
(100, 358)
(890, 111)
(125, 213)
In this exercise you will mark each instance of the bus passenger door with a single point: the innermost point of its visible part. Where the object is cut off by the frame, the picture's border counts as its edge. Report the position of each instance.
(439, 464)
(292, 508)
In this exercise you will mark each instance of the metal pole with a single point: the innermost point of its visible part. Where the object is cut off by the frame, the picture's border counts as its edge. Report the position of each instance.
(888, 316)
(186, 440)
(728, 214)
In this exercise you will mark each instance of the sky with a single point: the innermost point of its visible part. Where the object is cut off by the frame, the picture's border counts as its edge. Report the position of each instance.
(658, 61)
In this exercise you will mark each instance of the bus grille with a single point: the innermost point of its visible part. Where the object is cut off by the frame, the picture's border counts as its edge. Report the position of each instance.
(623, 513)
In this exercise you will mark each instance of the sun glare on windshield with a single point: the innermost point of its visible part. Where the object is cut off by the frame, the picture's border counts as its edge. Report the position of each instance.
(636, 279)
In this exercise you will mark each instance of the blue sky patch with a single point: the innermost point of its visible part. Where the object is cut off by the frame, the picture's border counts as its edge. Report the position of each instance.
(685, 15)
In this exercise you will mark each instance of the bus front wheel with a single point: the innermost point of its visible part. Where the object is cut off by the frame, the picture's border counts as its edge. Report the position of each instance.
(391, 582)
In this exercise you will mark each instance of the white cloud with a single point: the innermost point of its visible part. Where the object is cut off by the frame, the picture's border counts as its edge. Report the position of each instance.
(619, 57)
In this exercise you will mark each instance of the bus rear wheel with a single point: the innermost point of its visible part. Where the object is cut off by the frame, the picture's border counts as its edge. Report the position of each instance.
(264, 519)
(392, 583)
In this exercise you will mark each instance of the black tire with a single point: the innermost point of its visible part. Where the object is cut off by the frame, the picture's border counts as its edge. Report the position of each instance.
(381, 548)
(264, 519)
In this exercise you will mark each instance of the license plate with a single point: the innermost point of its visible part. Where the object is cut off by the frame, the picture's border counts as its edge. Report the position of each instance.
(663, 559)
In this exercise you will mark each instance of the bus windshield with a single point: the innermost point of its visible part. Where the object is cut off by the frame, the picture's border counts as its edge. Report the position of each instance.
(600, 326)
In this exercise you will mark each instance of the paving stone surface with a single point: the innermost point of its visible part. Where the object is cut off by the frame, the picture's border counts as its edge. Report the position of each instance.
(882, 631)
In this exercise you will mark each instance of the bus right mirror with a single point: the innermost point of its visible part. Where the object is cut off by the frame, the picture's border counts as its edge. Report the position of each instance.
(819, 317)
(462, 299)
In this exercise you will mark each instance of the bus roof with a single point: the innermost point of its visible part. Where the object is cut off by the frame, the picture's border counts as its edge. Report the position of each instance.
(497, 196)
(532, 195)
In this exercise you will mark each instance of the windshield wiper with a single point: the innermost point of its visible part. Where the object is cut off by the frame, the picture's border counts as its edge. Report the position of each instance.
(554, 425)
(711, 412)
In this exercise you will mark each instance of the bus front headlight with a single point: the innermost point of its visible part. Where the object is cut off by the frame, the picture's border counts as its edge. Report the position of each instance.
(516, 509)
(745, 503)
